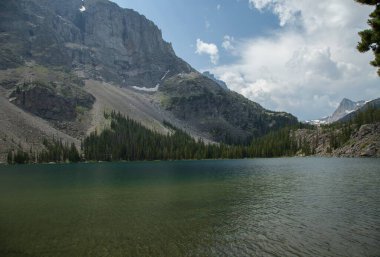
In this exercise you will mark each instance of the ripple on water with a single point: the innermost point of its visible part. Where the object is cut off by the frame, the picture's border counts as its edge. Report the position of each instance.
(276, 207)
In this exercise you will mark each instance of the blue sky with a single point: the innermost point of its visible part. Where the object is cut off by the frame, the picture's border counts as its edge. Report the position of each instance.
(183, 22)
(297, 56)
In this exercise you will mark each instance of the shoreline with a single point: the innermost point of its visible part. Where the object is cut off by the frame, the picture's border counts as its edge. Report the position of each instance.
(2, 164)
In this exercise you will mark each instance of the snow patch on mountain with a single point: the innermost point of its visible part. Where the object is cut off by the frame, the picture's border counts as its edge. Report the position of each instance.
(145, 89)
(345, 107)
(152, 89)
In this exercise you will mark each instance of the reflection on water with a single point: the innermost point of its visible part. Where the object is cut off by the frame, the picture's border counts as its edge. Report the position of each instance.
(276, 207)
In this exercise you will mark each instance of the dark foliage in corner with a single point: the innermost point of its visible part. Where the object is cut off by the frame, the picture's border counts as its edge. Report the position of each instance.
(370, 38)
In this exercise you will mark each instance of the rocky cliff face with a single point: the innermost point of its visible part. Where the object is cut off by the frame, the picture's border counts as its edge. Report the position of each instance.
(50, 104)
(102, 39)
(364, 141)
(51, 95)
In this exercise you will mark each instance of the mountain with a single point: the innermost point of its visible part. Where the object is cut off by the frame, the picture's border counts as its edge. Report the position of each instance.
(211, 76)
(226, 115)
(374, 104)
(345, 107)
(64, 63)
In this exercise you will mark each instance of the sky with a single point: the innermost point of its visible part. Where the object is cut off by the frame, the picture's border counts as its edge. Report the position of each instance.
(297, 56)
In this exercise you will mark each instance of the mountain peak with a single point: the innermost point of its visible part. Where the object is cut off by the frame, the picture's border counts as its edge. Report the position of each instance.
(345, 107)
(346, 100)
(211, 76)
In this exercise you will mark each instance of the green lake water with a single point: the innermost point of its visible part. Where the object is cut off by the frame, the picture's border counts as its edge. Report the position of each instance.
(260, 207)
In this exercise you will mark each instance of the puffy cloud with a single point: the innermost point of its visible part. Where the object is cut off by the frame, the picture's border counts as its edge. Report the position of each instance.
(209, 49)
(307, 66)
(228, 43)
(260, 4)
(285, 10)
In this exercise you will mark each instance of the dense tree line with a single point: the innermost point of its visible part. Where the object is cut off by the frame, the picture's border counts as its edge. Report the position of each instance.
(55, 151)
(282, 142)
(275, 144)
(128, 140)
(18, 157)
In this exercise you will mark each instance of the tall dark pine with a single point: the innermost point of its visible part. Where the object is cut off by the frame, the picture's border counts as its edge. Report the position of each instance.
(370, 38)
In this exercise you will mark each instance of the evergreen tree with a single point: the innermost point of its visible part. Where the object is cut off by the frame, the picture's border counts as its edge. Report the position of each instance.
(370, 38)
(21, 157)
(73, 154)
(10, 157)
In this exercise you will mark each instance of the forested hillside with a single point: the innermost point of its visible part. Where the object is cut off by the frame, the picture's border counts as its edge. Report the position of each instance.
(128, 140)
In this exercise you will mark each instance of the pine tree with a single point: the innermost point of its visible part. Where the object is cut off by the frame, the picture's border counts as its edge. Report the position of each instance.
(73, 154)
(370, 38)
(10, 157)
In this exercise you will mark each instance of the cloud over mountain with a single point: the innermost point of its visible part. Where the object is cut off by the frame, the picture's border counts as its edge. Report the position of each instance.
(310, 63)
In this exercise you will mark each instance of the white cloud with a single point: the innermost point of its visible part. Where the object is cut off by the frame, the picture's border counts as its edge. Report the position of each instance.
(308, 65)
(218, 7)
(228, 43)
(284, 9)
(260, 4)
(209, 49)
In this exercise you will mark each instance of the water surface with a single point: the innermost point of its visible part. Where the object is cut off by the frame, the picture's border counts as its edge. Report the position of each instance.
(261, 207)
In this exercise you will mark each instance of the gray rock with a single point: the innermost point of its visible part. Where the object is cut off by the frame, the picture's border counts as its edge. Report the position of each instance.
(105, 41)
(46, 102)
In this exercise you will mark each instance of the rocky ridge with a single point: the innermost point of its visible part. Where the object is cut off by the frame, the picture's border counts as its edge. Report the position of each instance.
(363, 142)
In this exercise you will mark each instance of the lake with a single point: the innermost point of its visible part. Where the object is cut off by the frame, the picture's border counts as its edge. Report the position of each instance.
(259, 207)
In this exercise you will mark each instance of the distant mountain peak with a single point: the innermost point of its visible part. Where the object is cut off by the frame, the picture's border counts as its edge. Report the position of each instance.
(345, 107)
(211, 76)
